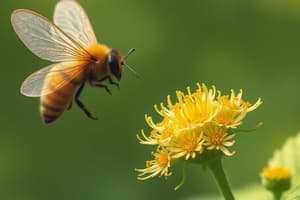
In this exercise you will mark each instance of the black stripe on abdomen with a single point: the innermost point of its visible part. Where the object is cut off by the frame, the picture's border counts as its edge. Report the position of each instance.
(51, 108)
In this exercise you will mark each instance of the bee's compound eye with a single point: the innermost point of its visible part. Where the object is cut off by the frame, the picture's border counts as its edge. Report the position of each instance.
(114, 66)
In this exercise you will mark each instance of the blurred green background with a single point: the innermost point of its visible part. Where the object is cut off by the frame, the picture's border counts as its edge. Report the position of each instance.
(253, 45)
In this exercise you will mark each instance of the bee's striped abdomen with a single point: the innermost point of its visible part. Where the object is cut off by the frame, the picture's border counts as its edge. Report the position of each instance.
(52, 105)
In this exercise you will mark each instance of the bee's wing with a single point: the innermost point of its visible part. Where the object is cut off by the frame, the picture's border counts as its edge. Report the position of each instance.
(53, 77)
(72, 19)
(45, 39)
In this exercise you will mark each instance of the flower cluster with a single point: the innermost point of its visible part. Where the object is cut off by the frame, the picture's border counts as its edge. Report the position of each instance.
(196, 123)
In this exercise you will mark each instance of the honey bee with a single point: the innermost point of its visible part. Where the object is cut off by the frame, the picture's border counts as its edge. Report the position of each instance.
(78, 58)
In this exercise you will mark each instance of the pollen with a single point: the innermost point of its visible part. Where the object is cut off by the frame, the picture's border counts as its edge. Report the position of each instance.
(189, 145)
(225, 119)
(162, 159)
(217, 138)
(186, 144)
(166, 134)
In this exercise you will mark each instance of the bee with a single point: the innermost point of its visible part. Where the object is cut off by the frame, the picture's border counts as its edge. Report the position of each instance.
(78, 58)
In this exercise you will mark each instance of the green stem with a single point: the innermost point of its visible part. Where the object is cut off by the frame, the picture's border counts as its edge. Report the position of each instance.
(277, 195)
(217, 169)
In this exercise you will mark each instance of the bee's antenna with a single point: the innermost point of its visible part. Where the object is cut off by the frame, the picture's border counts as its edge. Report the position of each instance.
(129, 52)
(131, 69)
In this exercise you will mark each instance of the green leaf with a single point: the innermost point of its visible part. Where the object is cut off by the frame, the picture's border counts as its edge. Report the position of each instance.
(289, 156)
(248, 193)
(294, 194)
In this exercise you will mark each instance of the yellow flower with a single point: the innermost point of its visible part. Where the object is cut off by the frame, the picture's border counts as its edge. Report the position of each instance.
(192, 110)
(276, 173)
(277, 179)
(234, 109)
(160, 135)
(216, 137)
(159, 166)
(196, 122)
(186, 144)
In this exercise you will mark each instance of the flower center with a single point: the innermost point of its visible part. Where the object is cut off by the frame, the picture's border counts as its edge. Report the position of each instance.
(162, 159)
(216, 138)
(165, 134)
(225, 118)
(189, 145)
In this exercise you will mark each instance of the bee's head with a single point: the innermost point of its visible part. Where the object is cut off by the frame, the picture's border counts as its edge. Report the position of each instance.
(115, 64)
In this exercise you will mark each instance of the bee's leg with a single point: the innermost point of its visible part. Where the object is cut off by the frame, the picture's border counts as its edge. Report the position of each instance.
(103, 79)
(101, 85)
(112, 82)
(81, 105)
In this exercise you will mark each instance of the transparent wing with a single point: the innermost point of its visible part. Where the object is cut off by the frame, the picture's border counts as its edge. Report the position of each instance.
(72, 19)
(45, 39)
(50, 79)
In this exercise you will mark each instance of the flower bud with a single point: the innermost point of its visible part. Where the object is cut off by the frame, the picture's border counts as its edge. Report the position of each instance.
(276, 179)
